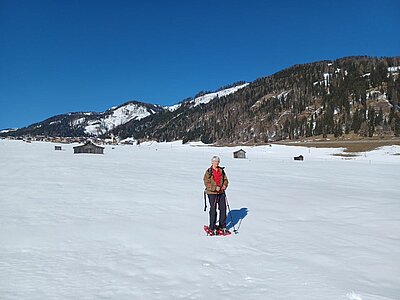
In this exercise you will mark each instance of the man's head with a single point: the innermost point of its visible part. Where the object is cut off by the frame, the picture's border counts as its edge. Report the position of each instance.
(215, 160)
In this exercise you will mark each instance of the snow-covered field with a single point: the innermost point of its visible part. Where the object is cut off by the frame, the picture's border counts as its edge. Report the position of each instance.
(128, 224)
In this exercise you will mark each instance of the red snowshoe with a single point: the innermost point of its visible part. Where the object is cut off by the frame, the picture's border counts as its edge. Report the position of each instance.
(216, 232)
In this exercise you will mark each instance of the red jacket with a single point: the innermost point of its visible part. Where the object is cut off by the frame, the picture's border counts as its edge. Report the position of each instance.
(210, 181)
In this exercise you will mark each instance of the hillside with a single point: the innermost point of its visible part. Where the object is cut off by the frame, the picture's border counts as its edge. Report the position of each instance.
(80, 124)
(352, 95)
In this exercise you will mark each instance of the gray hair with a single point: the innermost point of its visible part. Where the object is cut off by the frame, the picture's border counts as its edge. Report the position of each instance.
(215, 158)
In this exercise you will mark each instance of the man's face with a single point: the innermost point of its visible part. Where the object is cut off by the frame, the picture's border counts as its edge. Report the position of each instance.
(215, 163)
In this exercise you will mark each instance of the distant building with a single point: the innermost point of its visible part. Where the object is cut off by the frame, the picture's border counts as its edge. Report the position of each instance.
(300, 157)
(89, 147)
(239, 154)
(57, 148)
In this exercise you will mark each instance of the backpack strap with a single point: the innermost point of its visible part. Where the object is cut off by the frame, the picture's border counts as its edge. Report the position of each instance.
(223, 172)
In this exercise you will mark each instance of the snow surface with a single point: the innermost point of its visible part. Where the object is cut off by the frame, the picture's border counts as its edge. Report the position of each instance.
(128, 224)
(393, 69)
(173, 107)
(119, 116)
(8, 130)
(78, 122)
(327, 78)
(209, 97)
(281, 97)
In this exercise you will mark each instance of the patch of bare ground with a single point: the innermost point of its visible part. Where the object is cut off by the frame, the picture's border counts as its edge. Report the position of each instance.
(346, 155)
(351, 144)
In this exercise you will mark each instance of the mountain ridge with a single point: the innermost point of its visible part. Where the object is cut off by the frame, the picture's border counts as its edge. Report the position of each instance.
(352, 94)
(357, 94)
(100, 123)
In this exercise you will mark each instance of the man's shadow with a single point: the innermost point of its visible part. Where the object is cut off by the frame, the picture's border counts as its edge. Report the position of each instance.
(235, 217)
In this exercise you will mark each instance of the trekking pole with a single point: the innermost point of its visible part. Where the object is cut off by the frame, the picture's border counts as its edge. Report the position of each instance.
(230, 213)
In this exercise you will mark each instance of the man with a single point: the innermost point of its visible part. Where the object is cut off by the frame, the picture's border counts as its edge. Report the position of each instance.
(216, 183)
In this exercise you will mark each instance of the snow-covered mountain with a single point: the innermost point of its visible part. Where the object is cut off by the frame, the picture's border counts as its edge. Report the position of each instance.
(118, 116)
(351, 95)
(206, 98)
(8, 130)
(91, 123)
(97, 124)
(357, 95)
(211, 96)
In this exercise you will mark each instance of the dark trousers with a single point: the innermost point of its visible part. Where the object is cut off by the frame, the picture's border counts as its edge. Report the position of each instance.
(220, 201)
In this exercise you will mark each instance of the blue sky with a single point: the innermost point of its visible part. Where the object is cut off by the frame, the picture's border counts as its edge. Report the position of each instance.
(60, 56)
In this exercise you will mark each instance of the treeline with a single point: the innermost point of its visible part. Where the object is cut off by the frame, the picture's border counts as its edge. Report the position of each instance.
(351, 95)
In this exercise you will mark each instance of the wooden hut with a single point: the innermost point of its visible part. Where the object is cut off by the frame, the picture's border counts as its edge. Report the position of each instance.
(300, 157)
(239, 154)
(89, 147)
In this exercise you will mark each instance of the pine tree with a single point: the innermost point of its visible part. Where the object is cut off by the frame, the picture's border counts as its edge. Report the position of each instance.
(397, 126)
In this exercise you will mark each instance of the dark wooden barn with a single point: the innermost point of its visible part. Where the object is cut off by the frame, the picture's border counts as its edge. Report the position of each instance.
(89, 147)
(239, 154)
(300, 157)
